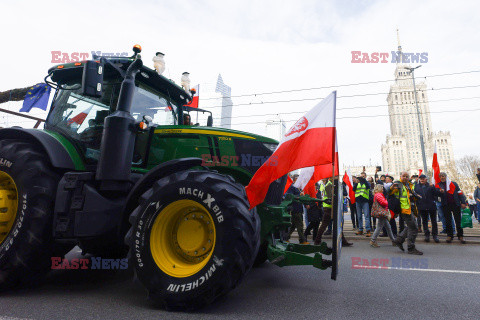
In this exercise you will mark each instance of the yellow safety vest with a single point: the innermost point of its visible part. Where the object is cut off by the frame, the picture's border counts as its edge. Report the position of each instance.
(325, 197)
(405, 201)
(362, 191)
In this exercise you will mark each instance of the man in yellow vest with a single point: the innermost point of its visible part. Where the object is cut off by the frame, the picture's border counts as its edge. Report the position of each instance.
(405, 195)
(362, 196)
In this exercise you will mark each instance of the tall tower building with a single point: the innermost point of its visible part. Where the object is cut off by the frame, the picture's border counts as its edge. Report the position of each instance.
(219, 101)
(402, 150)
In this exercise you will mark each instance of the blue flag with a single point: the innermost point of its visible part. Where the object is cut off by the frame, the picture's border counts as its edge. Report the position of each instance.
(36, 97)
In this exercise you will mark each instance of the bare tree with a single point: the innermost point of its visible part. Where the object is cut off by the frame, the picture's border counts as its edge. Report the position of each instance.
(14, 94)
(467, 168)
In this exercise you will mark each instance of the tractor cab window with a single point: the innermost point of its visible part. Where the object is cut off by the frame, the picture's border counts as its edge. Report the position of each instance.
(82, 118)
(148, 102)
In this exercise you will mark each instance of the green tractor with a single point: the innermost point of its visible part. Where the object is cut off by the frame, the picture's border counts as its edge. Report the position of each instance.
(119, 172)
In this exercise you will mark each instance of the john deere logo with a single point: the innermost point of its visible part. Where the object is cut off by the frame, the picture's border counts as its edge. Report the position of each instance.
(299, 126)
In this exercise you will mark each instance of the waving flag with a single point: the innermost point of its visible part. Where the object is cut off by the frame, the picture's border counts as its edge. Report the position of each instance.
(36, 97)
(288, 184)
(436, 173)
(306, 182)
(436, 167)
(310, 142)
(347, 178)
(194, 102)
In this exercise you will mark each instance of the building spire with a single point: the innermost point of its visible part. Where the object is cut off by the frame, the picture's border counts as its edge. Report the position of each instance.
(399, 49)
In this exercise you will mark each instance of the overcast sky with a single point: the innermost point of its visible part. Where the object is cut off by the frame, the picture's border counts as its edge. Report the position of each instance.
(265, 46)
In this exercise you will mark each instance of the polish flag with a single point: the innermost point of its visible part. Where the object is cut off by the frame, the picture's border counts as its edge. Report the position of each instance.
(288, 184)
(310, 142)
(436, 173)
(194, 102)
(79, 118)
(311, 175)
(347, 178)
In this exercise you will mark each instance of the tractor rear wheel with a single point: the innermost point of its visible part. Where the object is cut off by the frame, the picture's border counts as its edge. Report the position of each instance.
(27, 192)
(193, 238)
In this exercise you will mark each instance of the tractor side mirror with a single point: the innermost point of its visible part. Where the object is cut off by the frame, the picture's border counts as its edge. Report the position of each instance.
(92, 79)
(210, 121)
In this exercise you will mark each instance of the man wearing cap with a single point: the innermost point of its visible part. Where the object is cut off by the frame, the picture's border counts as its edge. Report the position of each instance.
(405, 195)
(452, 202)
(296, 213)
(426, 206)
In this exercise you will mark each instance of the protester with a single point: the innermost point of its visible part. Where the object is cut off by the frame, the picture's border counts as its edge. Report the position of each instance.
(362, 189)
(451, 205)
(381, 212)
(370, 202)
(314, 216)
(472, 204)
(426, 206)
(476, 196)
(327, 216)
(478, 174)
(387, 183)
(296, 213)
(405, 195)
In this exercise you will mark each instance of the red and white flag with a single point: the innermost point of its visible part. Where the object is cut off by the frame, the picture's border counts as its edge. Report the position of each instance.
(347, 178)
(309, 176)
(288, 184)
(436, 173)
(310, 142)
(195, 99)
(79, 118)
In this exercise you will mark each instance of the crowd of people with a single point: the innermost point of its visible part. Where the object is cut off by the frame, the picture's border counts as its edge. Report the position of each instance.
(381, 202)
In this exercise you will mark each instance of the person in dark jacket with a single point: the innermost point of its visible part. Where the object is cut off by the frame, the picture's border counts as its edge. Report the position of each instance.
(426, 206)
(296, 213)
(314, 215)
(451, 205)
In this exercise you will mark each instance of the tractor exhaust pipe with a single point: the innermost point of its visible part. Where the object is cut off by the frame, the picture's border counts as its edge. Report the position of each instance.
(118, 140)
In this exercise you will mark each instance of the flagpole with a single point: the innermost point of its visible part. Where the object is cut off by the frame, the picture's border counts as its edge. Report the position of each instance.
(198, 106)
(333, 147)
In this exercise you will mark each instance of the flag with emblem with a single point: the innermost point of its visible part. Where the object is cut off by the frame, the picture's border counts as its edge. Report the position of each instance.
(36, 97)
(309, 142)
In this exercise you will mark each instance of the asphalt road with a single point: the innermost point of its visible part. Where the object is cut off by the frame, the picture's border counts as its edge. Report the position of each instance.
(442, 291)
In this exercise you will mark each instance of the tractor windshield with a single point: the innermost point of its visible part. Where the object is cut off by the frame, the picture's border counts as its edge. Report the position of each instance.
(81, 118)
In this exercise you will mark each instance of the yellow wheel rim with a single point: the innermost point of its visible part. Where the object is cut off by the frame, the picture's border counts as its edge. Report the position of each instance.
(8, 204)
(182, 239)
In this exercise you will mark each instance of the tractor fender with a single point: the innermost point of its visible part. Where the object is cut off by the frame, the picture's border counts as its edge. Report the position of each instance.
(158, 172)
(58, 155)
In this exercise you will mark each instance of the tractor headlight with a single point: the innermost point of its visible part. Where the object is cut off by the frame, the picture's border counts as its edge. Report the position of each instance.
(271, 146)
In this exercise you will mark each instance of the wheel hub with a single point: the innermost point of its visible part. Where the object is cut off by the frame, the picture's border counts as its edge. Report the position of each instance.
(8, 204)
(182, 238)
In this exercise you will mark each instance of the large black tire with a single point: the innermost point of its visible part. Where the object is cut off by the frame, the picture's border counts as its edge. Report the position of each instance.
(26, 249)
(236, 245)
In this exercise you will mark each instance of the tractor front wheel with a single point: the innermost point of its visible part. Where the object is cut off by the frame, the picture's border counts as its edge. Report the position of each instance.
(27, 193)
(193, 238)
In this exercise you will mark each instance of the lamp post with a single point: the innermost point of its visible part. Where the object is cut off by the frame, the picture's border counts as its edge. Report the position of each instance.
(420, 126)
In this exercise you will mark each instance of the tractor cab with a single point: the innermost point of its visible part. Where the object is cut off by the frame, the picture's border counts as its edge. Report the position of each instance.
(157, 101)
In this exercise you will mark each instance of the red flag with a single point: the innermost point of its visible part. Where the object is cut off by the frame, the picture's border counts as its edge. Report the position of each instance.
(194, 102)
(310, 142)
(420, 172)
(347, 178)
(436, 173)
(288, 184)
(79, 118)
